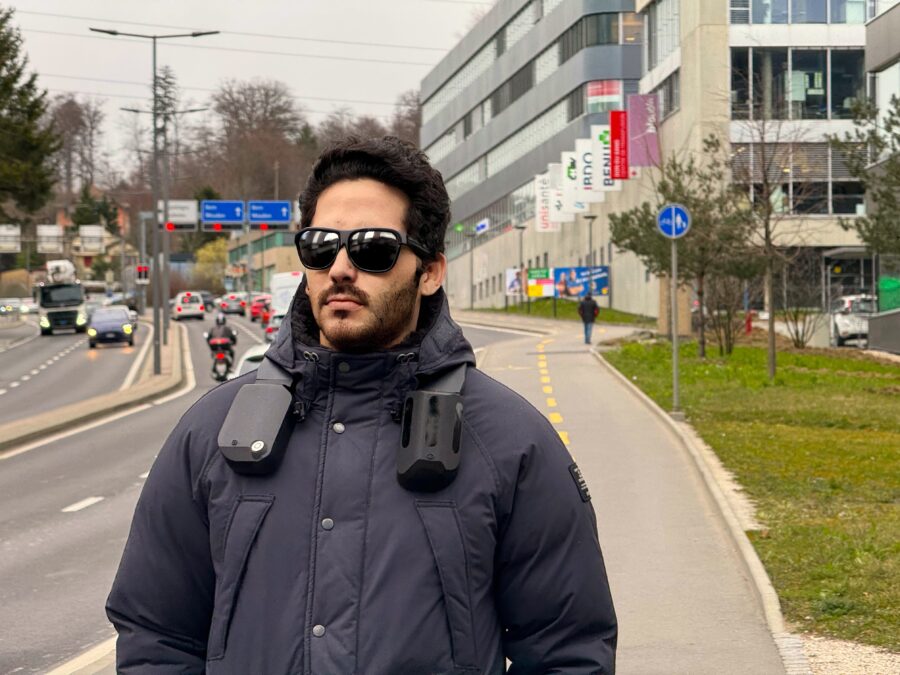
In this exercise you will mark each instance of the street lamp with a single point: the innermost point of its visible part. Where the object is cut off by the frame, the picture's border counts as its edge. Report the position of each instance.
(521, 228)
(157, 290)
(471, 237)
(590, 217)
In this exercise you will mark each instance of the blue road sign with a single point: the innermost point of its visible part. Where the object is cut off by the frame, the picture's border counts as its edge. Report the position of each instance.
(483, 226)
(673, 221)
(221, 211)
(269, 211)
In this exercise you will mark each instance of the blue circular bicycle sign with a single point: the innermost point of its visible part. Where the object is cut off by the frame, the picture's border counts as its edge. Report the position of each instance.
(673, 221)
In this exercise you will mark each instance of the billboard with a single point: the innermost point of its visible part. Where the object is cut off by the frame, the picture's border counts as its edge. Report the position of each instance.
(601, 147)
(576, 282)
(584, 172)
(642, 129)
(10, 238)
(557, 214)
(572, 201)
(91, 238)
(540, 282)
(49, 239)
(618, 126)
(542, 222)
(514, 281)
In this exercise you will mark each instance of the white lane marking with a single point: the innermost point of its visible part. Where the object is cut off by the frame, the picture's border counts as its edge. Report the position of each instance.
(13, 385)
(138, 361)
(258, 339)
(190, 380)
(144, 475)
(25, 378)
(83, 504)
(43, 366)
(88, 658)
(71, 432)
(24, 340)
(35, 371)
(514, 331)
(2, 391)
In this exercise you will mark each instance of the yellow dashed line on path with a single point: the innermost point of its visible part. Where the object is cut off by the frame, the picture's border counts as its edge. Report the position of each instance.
(555, 417)
(545, 380)
(551, 402)
(544, 371)
(564, 435)
(548, 389)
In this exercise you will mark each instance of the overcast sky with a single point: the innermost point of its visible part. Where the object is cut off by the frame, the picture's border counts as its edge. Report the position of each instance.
(309, 36)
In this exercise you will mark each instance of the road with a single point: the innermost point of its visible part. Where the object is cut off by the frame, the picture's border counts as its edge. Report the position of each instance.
(46, 372)
(65, 509)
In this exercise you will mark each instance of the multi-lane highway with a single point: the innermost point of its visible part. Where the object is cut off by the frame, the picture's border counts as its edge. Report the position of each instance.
(66, 505)
(41, 373)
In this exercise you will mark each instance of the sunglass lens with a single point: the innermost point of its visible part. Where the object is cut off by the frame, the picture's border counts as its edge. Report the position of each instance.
(374, 250)
(318, 249)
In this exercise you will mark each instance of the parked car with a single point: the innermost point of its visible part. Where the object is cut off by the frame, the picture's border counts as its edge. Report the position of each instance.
(189, 305)
(259, 303)
(110, 324)
(28, 306)
(10, 306)
(249, 361)
(850, 317)
(234, 303)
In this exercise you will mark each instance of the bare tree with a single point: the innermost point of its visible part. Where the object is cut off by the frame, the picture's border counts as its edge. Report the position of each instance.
(88, 141)
(800, 303)
(407, 120)
(68, 122)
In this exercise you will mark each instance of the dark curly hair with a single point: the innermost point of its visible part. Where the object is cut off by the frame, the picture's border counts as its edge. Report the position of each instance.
(393, 162)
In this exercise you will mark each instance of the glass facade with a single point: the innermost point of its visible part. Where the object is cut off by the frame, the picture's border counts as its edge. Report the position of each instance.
(515, 208)
(663, 33)
(795, 83)
(800, 11)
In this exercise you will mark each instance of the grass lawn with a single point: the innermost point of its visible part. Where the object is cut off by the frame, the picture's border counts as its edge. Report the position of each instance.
(568, 309)
(819, 453)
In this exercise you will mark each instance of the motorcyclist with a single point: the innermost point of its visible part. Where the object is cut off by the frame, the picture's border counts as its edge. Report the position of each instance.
(223, 330)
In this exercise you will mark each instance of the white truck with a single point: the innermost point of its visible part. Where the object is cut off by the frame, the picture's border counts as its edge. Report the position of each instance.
(60, 299)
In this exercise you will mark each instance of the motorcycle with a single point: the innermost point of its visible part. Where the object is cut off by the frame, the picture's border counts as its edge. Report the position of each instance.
(222, 358)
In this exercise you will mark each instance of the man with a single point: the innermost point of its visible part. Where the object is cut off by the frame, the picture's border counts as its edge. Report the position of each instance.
(328, 565)
(588, 311)
(223, 330)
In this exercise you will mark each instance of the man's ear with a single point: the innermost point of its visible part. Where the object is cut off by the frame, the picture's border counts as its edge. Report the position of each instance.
(433, 273)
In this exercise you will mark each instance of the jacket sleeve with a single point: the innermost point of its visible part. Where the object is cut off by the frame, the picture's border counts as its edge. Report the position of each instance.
(554, 600)
(161, 600)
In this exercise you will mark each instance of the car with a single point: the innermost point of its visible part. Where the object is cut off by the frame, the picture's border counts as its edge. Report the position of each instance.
(272, 329)
(850, 317)
(28, 306)
(110, 324)
(234, 303)
(10, 306)
(249, 361)
(189, 305)
(91, 306)
(132, 315)
(259, 303)
(209, 302)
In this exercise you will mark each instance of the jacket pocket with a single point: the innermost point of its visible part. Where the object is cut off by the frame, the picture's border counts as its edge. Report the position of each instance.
(442, 526)
(246, 519)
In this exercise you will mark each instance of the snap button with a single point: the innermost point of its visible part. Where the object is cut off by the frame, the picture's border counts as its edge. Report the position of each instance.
(327, 524)
(344, 367)
(338, 428)
(318, 630)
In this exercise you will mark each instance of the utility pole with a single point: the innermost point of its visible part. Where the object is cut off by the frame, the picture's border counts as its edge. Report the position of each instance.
(167, 238)
(157, 281)
(590, 218)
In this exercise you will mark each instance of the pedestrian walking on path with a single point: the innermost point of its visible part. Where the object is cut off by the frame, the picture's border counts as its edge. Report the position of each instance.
(588, 309)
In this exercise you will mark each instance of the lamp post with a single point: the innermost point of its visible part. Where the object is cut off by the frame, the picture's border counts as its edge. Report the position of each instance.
(521, 228)
(471, 237)
(590, 218)
(154, 179)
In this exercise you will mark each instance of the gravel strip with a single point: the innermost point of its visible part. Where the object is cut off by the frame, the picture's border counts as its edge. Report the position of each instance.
(828, 657)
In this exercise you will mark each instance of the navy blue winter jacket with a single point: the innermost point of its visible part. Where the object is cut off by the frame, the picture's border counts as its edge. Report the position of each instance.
(329, 566)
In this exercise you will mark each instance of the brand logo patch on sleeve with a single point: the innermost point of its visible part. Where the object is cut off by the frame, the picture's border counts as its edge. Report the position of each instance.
(580, 483)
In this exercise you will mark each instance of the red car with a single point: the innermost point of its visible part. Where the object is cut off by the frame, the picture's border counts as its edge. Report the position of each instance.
(260, 302)
(234, 303)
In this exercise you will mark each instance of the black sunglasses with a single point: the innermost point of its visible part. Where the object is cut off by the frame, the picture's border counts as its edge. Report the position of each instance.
(370, 249)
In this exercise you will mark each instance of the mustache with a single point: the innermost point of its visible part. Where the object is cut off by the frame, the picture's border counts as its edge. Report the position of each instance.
(351, 291)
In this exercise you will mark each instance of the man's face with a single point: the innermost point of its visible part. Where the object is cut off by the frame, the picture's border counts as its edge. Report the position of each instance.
(360, 311)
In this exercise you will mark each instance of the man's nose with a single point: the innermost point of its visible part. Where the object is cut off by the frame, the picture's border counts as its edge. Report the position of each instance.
(342, 269)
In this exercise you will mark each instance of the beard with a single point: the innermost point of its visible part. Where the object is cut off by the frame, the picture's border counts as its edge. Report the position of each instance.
(384, 321)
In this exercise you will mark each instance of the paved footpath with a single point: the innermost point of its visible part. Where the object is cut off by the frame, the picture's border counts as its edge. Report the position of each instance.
(683, 597)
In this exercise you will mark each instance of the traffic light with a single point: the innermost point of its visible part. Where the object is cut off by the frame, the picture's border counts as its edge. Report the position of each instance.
(178, 227)
(142, 274)
(221, 227)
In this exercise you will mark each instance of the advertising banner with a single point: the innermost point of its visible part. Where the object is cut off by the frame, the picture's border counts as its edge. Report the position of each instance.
(604, 95)
(542, 222)
(575, 282)
(540, 282)
(514, 280)
(642, 129)
(601, 148)
(585, 172)
(557, 214)
(10, 238)
(49, 239)
(618, 126)
(91, 238)
(571, 195)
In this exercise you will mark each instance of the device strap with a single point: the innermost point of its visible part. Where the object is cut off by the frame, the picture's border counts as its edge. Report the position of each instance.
(450, 381)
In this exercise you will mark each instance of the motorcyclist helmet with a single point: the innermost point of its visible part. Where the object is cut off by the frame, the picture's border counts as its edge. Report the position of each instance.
(220, 319)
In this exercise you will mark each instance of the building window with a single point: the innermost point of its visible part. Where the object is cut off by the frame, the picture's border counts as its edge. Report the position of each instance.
(770, 11)
(669, 95)
(847, 197)
(847, 81)
(663, 32)
(740, 83)
(632, 29)
(575, 103)
(769, 75)
(808, 98)
(546, 63)
(848, 11)
(809, 11)
(601, 29)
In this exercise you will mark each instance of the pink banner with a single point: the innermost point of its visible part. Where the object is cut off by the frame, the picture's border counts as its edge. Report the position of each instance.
(642, 129)
(618, 127)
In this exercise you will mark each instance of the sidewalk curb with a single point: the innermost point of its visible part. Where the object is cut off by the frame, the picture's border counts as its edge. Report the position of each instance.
(790, 646)
(480, 322)
(17, 433)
